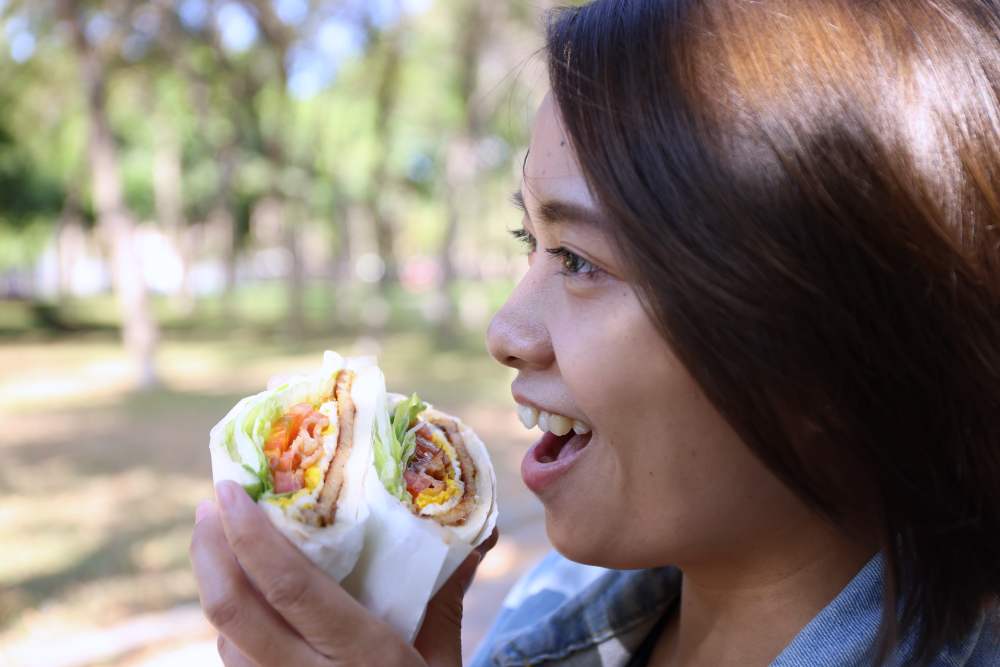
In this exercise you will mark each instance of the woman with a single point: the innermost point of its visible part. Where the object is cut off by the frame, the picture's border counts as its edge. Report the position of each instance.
(765, 287)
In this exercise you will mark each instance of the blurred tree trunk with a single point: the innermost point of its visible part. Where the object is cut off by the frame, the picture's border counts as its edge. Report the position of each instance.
(169, 201)
(222, 215)
(71, 242)
(279, 38)
(139, 329)
(386, 97)
(461, 162)
(342, 269)
(296, 274)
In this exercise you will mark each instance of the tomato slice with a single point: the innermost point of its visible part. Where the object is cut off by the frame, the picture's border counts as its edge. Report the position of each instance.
(285, 429)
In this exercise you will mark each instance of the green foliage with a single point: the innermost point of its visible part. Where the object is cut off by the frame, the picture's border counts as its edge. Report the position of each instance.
(245, 132)
(22, 240)
(29, 190)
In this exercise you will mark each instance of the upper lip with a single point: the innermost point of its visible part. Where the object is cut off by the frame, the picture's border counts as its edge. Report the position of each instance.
(521, 399)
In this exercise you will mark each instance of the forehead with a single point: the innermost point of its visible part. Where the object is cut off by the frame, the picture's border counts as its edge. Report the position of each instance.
(551, 170)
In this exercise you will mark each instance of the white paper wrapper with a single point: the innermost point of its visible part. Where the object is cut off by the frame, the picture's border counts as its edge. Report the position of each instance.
(406, 558)
(335, 549)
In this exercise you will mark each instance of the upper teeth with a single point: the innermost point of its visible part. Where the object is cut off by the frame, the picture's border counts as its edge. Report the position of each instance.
(550, 421)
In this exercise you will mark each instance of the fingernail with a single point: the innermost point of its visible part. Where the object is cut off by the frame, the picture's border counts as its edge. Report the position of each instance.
(204, 509)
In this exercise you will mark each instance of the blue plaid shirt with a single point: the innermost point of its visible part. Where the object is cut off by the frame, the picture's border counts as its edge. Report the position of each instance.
(564, 613)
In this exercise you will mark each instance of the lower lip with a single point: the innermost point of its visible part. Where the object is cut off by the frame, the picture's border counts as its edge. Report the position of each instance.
(541, 475)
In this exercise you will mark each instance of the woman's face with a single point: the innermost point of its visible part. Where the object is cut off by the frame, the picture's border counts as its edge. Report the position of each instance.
(661, 478)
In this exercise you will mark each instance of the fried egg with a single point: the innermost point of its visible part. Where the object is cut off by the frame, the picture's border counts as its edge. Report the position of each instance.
(431, 502)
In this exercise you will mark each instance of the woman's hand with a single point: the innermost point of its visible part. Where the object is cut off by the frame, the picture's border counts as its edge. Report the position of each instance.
(272, 606)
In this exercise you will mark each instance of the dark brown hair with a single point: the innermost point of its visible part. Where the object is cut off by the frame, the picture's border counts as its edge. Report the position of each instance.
(808, 191)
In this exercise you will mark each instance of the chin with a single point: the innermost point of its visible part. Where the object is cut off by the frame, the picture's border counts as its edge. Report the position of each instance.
(595, 545)
(582, 546)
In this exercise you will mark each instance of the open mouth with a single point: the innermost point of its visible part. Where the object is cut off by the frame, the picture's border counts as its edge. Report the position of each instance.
(552, 448)
(551, 457)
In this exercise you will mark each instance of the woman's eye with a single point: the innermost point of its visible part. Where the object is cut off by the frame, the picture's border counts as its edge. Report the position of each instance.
(573, 264)
(526, 239)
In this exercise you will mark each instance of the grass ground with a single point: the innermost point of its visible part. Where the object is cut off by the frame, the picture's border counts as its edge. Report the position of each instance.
(98, 483)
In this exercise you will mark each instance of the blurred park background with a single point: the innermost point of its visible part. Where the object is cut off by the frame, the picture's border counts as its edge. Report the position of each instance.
(196, 195)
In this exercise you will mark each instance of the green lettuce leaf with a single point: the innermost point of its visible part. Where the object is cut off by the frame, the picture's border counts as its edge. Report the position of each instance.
(254, 424)
(229, 441)
(391, 457)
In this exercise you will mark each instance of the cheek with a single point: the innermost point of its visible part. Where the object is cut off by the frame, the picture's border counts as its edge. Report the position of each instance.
(667, 476)
(624, 377)
(603, 346)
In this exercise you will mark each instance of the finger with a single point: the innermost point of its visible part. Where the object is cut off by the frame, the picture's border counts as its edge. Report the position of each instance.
(312, 602)
(231, 655)
(440, 638)
(233, 606)
(489, 542)
(204, 509)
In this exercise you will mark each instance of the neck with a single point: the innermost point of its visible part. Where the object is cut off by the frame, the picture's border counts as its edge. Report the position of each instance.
(744, 611)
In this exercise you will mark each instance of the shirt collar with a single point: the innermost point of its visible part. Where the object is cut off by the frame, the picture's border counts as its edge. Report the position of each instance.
(608, 620)
(845, 632)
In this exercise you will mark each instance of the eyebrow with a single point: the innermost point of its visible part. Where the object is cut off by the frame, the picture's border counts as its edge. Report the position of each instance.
(555, 211)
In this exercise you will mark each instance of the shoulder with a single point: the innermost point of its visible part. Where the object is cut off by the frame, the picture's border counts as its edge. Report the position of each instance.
(562, 610)
(555, 578)
(845, 632)
(553, 581)
(982, 647)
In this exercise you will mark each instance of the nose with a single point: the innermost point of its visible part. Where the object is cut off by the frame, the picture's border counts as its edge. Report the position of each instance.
(517, 335)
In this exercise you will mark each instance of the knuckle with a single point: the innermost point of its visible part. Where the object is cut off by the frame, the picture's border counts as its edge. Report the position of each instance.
(287, 591)
(242, 540)
(222, 612)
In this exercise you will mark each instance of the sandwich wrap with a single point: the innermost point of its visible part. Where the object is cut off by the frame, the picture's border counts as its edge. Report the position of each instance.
(382, 492)
(432, 497)
(302, 450)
